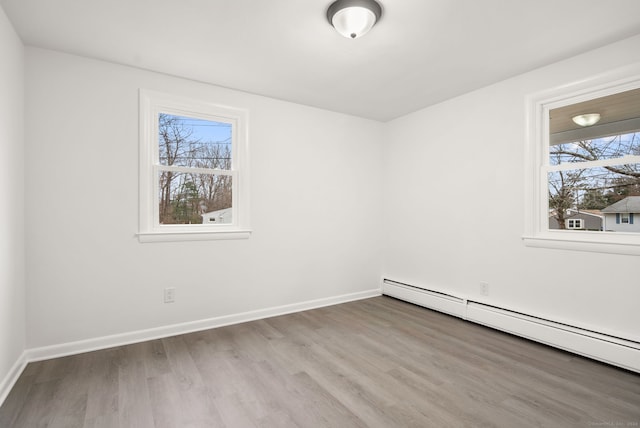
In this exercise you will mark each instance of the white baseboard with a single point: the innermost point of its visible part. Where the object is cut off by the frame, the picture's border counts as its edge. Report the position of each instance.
(78, 347)
(12, 377)
(599, 346)
(71, 348)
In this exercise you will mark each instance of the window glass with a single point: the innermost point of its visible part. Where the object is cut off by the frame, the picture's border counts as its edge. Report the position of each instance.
(589, 175)
(188, 198)
(193, 142)
(612, 147)
(592, 188)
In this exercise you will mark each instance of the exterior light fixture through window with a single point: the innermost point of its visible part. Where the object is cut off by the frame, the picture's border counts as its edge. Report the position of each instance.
(588, 119)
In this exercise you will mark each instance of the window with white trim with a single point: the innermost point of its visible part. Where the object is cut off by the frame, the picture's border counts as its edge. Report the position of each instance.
(193, 169)
(574, 223)
(593, 168)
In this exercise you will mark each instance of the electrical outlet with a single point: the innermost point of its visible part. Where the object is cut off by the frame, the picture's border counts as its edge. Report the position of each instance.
(484, 288)
(169, 295)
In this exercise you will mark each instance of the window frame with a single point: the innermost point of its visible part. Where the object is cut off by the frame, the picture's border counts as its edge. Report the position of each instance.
(537, 232)
(151, 104)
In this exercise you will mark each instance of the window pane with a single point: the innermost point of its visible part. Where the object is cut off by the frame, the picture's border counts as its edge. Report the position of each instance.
(189, 198)
(595, 196)
(589, 150)
(192, 142)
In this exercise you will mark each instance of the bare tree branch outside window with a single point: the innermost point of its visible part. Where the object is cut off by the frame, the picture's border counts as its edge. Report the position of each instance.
(185, 196)
(593, 187)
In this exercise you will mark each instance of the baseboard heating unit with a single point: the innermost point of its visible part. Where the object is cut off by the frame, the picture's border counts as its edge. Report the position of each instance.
(610, 349)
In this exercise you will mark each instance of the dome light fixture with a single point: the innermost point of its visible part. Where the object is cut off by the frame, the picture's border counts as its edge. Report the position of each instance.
(587, 119)
(354, 18)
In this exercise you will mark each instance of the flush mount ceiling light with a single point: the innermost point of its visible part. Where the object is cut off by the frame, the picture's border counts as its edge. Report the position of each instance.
(354, 18)
(586, 119)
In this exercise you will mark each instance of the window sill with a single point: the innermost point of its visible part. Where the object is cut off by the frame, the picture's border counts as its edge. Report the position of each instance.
(175, 236)
(623, 244)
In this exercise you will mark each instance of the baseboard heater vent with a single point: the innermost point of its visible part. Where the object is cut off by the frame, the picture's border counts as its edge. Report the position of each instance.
(618, 351)
(432, 299)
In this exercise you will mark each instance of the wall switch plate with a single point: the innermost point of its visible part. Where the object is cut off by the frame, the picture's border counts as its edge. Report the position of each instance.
(484, 288)
(169, 295)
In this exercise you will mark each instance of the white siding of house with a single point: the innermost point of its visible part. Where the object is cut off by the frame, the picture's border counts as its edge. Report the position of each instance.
(610, 223)
(218, 217)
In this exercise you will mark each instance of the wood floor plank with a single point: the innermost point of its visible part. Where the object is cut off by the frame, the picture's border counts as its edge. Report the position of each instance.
(377, 362)
(34, 416)
(14, 403)
(134, 404)
(102, 394)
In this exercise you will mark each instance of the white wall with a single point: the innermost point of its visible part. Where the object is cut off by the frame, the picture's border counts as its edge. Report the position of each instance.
(12, 283)
(315, 195)
(454, 188)
(316, 198)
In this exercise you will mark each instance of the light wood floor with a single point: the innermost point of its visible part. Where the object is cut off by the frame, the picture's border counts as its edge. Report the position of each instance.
(378, 362)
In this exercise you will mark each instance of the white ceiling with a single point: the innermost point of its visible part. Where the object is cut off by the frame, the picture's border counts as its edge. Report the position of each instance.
(421, 52)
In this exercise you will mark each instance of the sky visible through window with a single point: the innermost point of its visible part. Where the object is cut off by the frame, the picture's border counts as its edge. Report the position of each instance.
(605, 173)
(195, 145)
(207, 130)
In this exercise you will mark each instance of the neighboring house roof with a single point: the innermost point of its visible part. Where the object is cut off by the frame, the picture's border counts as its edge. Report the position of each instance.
(221, 212)
(630, 204)
(595, 213)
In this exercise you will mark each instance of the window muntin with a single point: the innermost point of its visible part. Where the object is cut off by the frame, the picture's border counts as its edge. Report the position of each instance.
(193, 168)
